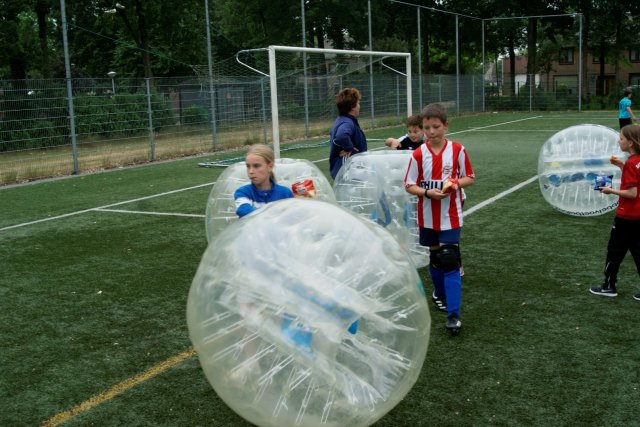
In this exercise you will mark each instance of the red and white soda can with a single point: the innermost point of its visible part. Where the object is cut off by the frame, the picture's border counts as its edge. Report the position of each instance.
(304, 188)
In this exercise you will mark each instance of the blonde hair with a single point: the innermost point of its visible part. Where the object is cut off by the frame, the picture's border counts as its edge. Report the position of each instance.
(266, 152)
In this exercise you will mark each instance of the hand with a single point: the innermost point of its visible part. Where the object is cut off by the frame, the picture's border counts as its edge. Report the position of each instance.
(450, 185)
(392, 143)
(437, 194)
(606, 190)
(616, 161)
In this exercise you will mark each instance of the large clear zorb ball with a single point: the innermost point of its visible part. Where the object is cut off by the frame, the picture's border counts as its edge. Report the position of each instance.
(569, 164)
(371, 184)
(221, 208)
(304, 314)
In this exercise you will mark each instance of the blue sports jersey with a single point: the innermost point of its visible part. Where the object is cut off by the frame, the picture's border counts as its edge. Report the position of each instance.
(248, 198)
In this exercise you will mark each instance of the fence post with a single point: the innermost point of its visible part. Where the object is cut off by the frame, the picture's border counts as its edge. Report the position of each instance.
(373, 110)
(264, 111)
(67, 69)
(532, 77)
(152, 142)
(398, 96)
(212, 99)
(473, 93)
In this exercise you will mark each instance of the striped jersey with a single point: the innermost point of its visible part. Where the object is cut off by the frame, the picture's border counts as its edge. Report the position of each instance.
(429, 170)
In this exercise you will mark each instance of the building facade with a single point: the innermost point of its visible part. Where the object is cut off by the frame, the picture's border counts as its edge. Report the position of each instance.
(563, 73)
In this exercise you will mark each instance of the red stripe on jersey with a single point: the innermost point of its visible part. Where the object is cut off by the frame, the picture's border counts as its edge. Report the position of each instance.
(451, 161)
(417, 156)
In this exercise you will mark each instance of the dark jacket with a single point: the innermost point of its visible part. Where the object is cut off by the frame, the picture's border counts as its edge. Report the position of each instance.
(345, 135)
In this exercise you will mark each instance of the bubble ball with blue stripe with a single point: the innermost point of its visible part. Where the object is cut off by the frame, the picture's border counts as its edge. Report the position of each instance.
(573, 163)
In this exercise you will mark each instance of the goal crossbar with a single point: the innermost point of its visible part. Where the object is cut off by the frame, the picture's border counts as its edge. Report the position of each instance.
(274, 85)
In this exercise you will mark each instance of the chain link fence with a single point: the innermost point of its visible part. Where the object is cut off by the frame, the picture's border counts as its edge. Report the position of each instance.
(120, 121)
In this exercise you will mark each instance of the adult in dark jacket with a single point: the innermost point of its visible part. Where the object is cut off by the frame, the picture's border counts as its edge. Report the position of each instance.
(346, 137)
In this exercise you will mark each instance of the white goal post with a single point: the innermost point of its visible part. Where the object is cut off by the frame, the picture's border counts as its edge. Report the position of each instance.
(273, 76)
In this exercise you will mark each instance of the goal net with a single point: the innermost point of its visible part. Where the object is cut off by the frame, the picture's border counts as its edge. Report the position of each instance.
(300, 85)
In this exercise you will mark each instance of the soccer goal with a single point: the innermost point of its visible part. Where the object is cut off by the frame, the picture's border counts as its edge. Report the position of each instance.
(303, 83)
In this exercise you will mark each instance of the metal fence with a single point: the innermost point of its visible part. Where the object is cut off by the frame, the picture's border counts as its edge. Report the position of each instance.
(119, 122)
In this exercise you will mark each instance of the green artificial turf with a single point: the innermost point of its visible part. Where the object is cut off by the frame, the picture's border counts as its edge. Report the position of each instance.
(94, 298)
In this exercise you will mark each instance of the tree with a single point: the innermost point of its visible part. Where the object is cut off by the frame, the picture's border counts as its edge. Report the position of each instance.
(160, 38)
(13, 54)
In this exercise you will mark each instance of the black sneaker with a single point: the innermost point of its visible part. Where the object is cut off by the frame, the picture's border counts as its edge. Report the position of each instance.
(636, 297)
(440, 303)
(602, 291)
(453, 323)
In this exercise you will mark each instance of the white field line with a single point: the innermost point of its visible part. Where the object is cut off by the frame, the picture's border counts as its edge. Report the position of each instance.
(149, 213)
(24, 224)
(494, 125)
(461, 131)
(499, 196)
(166, 193)
(519, 130)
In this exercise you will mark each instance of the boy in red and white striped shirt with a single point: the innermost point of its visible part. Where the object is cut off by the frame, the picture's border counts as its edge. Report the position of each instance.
(438, 171)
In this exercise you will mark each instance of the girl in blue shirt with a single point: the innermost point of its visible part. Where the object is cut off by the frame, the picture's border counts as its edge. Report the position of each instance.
(260, 161)
(625, 115)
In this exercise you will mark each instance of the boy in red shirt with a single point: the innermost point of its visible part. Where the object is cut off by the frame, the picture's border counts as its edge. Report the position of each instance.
(438, 171)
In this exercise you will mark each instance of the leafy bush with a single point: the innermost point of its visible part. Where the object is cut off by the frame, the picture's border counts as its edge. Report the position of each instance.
(47, 123)
(194, 115)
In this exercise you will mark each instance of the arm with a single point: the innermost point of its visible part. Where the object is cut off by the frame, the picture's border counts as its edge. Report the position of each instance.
(616, 161)
(433, 193)
(466, 181)
(243, 201)
(437, 194)
(629, 193)
(631, 113)
(628, 183)
(411, 178)
(244, 209)
(343, 138)
(392, 143)
(416, 190)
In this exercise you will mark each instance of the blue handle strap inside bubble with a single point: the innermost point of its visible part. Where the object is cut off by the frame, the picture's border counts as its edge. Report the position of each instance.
(302, 335)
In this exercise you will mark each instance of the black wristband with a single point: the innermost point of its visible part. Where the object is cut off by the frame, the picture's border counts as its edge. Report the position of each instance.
(426, 193)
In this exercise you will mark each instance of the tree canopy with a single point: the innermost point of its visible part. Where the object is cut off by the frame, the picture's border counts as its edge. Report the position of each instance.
(167, 38)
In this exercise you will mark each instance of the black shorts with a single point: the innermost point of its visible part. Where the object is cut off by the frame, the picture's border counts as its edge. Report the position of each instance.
(431, 237)
(624, 122)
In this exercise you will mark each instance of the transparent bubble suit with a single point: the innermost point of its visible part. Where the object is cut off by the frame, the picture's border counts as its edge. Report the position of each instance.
(304, 314)
(221, 208)
(569, 163)
(371, 185)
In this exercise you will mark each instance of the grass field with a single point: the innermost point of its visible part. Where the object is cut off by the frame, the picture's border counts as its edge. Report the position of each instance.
(96, 270)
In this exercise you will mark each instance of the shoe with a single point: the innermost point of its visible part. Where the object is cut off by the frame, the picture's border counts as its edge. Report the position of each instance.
(636, 297)
(602, 291)
(440, 303)
(453, 323)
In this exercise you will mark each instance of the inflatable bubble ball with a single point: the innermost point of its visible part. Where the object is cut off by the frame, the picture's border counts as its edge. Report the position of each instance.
(571, 165)
(221, 209)
(371, 185)
(304, 314)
